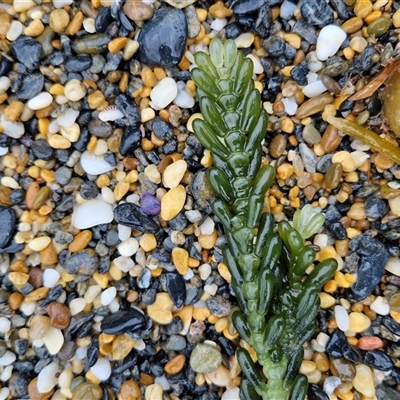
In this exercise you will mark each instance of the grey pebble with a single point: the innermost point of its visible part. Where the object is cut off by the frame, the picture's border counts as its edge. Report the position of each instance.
(205, 358)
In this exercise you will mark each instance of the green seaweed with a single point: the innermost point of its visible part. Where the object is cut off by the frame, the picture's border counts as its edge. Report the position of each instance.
(267, 262)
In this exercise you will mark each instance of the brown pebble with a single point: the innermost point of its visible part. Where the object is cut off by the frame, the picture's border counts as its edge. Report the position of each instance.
(36, 277)
(59, 20)
(146, 379)
(37, 294)
(138, 11)
(330, 140)
(175, 365)
(30, 195)
(38, 326)
(314, 105)
(75, 24)
(309, 192)
(130, 391)
(80, 241)
(333, 176)
(34, 393)
(277, 145)
(117, 44)
(59, 314)
(49, 255)
(352, 25)
(219, 10)
(5, 193)
(15, 300)
(41, 197)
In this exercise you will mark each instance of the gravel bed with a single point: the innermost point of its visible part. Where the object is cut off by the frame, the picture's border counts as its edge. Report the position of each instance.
(112, 281)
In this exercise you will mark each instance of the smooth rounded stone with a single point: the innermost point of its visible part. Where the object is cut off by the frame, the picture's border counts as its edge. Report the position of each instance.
(102, 369)
(161, 310)
(379, 360)
(138, 11)
(342, 368)
(27, 51)
(50, 277)
(329, 41)
(231, 394)
(131, 215)
(219, 306)
(172, 202)
(59, 314)
(84, 262)
(14, 31)
(220, 377)
(314, 105)
(122, 321)
(42, 150)
(311, 134)
(180, 3)
(218, 24)
(342, 318)
(176, 288)
(358, 322)
(12, 129)
(8, 220)
(192, 19)
(108, 296)
(380, 305)
(92, 213)
(74, 90)
(205, 358)
(163, 93)
(183, 98)
(369, 274)
(7, 358)
(128, 247)
(308, 157)
(330, 384)
(247, 6)
(333, 176)
(91, 44)
(131, 140)
(103, 20)
(290, 105)
(48, 378)
(379, 27)
(5, 84)
(93, 164)
(363, 382)
(53, 340)
(100, 128)
(150, 205)
(162, 39)
(174, 173)
(87, 390)
(393, 266)
(314, 89)
(314, 392)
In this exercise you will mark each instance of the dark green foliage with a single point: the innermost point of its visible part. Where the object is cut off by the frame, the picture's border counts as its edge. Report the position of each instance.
(278, 304)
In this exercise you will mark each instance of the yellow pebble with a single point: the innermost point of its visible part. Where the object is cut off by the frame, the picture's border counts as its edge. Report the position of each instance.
(207, 241)
(224, 272)
(326, 252)
(201, 313)
(101, 279)
(327, 301)
(148, 242)
(180, 258)
(330, 286)
(341, 280)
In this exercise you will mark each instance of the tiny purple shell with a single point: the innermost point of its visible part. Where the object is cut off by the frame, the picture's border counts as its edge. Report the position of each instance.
(150, 205)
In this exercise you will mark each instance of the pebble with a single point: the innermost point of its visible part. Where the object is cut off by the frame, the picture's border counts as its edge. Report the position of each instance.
(48, 378)
(358, 322)
(342, 318)
(159, 45)
(316, 12)
(12, 129)
(42, 100)
(160, 310)
(176, 288)
(53, 340)
(172, 202)
(93, 164)
(150, 205)
(122, 321)
(205, 358)
(163, 93)
(380, 305)
(92, 213)
(314, 105)
(363, 381)
(8, 220)
(329, 41)
(59, 315)
(74, 90)
(102, 369)
(138, 11)
(28, 52)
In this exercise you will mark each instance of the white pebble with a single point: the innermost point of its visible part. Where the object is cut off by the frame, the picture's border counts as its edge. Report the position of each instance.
(5, 324)
(8, 358)
(211, 289)
(124, 232)
(163, 93)
(257, 67)
(204, 271)
(114, 306)
(6, 374)
(10, 182)
(28, 308)
(108, 296)
(4, 392)
(50, 277)
(81, 353)
(5, 83)
(330, 384)
(53, 340)
(244, 40)
(67, 118)
(40, 101)
(65, 378)
(393, 266)
(287, 9)
(290, 105)
(314, 65)
(207, 227)
(218, 24)
(3, 150)
(314, 89)
(91, 293)
(62, 3)
(48, 378)
(329, 41)
(133, 198)
(93, 212)
(342, 318)
(124, 264)
(321, 240)
(74, 90)
(13, 129)
(54, 126)
(102, 369)
(128, 247)
(323, 339)
(193, 216)
(183, 99)
(94, 165)
(14, 31)
(108, 195)
(88, 25)
(380, 305)
(231, 394)
(77, 305)
(189, 275)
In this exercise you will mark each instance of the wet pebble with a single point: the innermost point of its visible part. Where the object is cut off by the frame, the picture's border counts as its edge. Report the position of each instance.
(8, 220)
(27, 51)
(122, 321)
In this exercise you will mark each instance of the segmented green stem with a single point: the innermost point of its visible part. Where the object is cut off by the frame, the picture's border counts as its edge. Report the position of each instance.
(278, 306)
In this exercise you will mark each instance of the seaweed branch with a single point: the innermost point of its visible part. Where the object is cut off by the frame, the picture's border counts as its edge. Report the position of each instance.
(268, 263)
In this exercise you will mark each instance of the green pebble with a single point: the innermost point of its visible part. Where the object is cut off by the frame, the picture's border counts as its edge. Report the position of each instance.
(379, 27)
